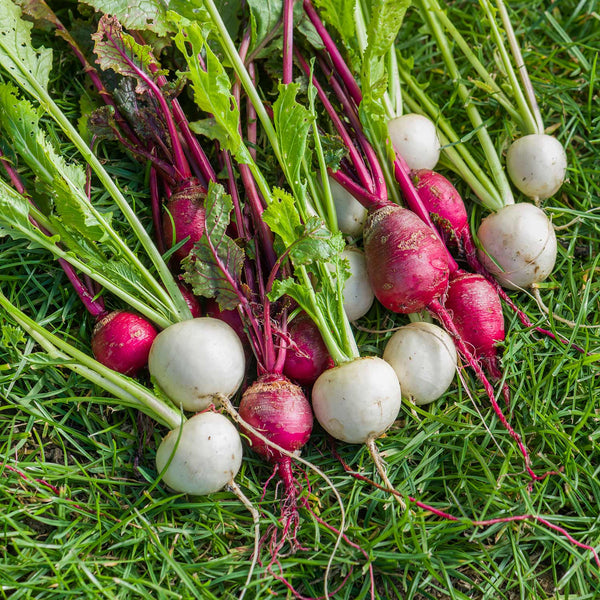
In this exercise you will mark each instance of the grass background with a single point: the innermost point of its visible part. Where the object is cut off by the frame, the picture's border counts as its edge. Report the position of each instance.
(80, 517)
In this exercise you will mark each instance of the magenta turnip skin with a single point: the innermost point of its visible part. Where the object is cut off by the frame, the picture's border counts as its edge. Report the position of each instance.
(309, 357)
(477, 313)
(280, 411)
(406, 261)
(122, 340)
(183, 217)
(444, 204)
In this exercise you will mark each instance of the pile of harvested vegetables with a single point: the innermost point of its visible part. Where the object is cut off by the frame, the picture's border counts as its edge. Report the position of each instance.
(299, 299)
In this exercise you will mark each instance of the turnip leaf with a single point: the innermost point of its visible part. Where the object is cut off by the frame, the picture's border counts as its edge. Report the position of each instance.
(211, 87)
(25, 64)
(214, 265)
(340, 15)
(264, 17)
(62, 183)
(140, 15)
(120, 52)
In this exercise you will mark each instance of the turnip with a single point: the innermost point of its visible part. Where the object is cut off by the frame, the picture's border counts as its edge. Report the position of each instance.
(425, 360)
(358, 400)
(537, 165)
(308, 356)
(351, 214)
(358, 293)
(415, 138)
(195, 360)
(278, 409)
(203, 455)
(122, 340)
(519, 245)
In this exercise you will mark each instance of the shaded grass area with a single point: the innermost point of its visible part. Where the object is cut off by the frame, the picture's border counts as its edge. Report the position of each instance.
(81, 515)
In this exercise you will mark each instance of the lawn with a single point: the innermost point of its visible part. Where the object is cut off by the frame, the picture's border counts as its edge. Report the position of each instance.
(81, 513)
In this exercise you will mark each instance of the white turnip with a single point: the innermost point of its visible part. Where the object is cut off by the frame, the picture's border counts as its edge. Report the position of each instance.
(358, 293)
(357, 401)
(424, 358)
(537, 165)
(519, 245)
(195, 360)
(351, 214)
(415, 138)
(204, 454)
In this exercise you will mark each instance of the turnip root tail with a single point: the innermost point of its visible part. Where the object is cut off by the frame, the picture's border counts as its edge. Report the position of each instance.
(234, 488)
(232, 412)
(442, 314)
(377, 460)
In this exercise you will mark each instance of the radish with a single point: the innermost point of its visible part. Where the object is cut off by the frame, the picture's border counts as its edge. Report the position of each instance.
(357, 401)
(358, 293)
(406, 261)
(415, 138)
(444, 204)
(537, 165)
(184, 218)
(351, 214)
(425, 360)
(122, 340)
(520, 245)
(203, 455)
(308, 356)
(191, 301)
(193, 361)
(231, 317)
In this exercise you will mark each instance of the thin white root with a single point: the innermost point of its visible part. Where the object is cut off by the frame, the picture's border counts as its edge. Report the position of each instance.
(234, 488)
(374, 452)
(233, 413)
(538, 298)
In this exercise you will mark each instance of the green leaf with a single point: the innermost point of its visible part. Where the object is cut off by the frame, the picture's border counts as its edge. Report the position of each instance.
(290, 287)
(340, 15)
(121, 53)
(282, 217)
(211, 87)
(264, 17)
(27, 66)
(136, 14)
(292, 123)
(214, 265)
(306, 243)
(63, 183)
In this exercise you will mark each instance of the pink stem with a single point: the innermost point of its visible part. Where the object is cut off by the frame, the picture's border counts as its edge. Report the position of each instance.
(442, 314)
(156, 211)
(288, 41)
(338, 62)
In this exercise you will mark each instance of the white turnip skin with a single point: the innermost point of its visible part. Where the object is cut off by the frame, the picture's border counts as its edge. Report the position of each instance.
(521, 240)
(406, 261)
(193, 361)
(308, 357)
(415, 138)
(357, 401)
(122, 340)
(207, 456)
(358, 293)
(183, 217)
(424, 358)
(537, 165)
(351, 214)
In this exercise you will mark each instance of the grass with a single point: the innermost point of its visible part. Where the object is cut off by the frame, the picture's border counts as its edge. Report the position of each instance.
(81, 517)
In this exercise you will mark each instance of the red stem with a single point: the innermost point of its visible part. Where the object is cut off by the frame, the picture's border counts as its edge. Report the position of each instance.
(288, 41)
(442, 314)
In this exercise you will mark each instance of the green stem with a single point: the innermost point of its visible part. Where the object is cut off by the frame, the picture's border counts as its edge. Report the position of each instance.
(497, 91)
(83, 267)
(115, 383)
(481, 131)
(527, 116)
(243, 75)
(337, 354)
(172, 297)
